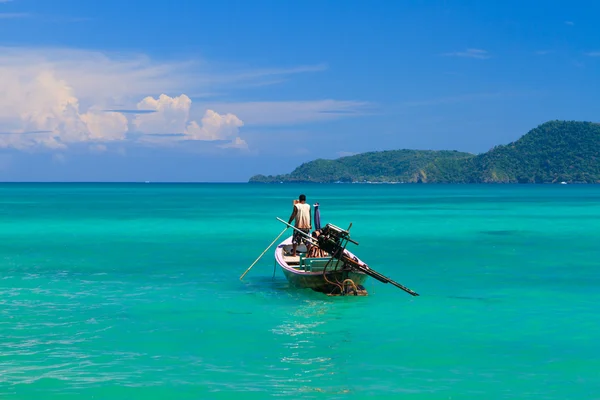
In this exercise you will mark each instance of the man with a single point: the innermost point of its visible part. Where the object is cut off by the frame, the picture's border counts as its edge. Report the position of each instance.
(303, 222)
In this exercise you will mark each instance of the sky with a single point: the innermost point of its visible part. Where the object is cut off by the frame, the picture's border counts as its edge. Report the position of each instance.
(198, 91)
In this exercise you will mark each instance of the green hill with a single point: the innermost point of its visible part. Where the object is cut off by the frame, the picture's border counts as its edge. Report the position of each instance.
(553, 152)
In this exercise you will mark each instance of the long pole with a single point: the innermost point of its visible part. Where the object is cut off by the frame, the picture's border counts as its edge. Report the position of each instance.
(381, 278)
(263, 253)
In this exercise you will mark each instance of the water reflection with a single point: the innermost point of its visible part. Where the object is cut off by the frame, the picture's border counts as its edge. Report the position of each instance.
(313, 347)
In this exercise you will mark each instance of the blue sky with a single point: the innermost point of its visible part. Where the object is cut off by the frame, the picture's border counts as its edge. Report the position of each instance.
(220, 91)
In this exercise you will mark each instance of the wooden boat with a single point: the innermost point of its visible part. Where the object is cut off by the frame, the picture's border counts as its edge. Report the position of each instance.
(326, 275)
(339, 273)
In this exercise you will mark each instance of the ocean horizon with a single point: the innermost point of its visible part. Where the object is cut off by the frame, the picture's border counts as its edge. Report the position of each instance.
(121, 290)
(296, 183)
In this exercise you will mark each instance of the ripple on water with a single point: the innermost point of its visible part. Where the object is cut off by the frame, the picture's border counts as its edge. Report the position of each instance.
(144, 301)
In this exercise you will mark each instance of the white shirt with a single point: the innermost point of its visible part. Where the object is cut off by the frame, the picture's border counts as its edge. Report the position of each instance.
(303, 215)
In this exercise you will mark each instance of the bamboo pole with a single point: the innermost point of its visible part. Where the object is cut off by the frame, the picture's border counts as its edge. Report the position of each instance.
(263, 253)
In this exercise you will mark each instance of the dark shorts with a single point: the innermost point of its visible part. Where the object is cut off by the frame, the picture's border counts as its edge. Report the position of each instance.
(299, 238)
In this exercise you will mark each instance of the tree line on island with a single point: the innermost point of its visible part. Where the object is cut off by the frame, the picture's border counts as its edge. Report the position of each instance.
(554, 152)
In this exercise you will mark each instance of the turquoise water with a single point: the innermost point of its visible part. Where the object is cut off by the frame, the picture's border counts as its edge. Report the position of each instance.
(133, 292)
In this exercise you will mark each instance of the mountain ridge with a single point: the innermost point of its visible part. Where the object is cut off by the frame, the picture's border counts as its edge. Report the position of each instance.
(554, 151)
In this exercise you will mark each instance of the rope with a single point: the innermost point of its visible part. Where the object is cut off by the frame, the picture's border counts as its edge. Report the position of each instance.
(353, 285)
(342, 254)
(337, 283)
(331, 283)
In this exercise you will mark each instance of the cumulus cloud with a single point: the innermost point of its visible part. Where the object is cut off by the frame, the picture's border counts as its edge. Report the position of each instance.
(214, 127)
(171, 116)
(41, 109)
(56, 97)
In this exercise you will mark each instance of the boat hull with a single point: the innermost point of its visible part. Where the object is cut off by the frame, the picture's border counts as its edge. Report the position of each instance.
(320, 284)
(328, 283)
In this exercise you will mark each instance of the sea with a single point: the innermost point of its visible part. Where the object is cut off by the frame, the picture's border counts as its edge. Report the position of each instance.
(133, 291)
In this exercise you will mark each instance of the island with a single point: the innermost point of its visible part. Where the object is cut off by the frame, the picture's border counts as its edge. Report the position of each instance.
(553, 152)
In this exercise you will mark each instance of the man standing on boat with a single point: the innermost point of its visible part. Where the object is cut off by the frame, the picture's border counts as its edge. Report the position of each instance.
(303, 222)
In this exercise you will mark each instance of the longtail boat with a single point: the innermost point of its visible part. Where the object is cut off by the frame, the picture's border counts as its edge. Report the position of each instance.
(322, 274)
(340, 273)
(334, 270)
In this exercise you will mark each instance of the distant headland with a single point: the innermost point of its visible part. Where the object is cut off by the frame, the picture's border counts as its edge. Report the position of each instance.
(554, 152)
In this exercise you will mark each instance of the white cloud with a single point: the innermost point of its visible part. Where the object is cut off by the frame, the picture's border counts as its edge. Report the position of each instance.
(104, 126)
(95, 77)
(215, 127)
(52, 98)
(172, 117)
(470, 53)
(41, 109)
(55, 97)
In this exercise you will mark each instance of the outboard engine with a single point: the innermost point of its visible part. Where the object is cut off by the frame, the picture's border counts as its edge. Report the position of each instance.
(331, 240)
